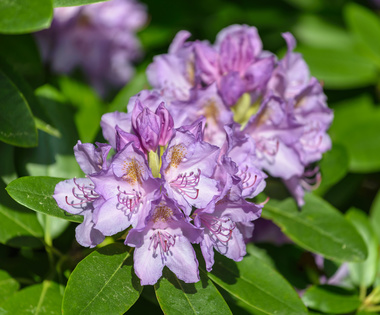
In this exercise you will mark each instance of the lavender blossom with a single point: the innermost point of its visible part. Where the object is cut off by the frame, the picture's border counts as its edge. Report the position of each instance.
(165, 240)
(98, 38)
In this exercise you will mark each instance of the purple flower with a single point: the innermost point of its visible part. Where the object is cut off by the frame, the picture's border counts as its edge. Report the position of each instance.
(236, 63)
(275, 136)
(128, 188)
(187, 168)
(77, 196)
(173, 73)
(240, 148)
(221, 229)
(98, 38)
(165, 240)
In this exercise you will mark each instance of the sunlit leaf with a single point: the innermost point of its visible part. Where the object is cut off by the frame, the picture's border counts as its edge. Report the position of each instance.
(356, 126)
(365, 25)
(16, 17)
(318, 227)
(102, 283)
(36, 193)
(339, 69)
(375, 215)
(69, 3)
(330, 299)
(363, 273)
(44, 298)
(178, 297)
(256, 284)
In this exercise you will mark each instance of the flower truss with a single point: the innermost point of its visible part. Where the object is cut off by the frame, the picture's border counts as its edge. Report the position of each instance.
(191, 151)
(99, 38)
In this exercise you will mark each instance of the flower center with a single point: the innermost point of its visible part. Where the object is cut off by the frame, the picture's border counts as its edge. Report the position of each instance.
(132, 171)
(175, 155)
(162, 213)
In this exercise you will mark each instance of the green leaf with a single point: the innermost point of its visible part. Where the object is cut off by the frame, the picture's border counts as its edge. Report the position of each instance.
(339, 69)
(69, 3)
(8, 286)
(41, 299)
(103, 283)
(28, 65)
(330, 299)
(89, 107)
(8, 171)
(17, 126)
(360, 136)
(54, 156)
(25, 90)
(256, 284)
(315, 31)
(375, 215)
(45, 127)
(178, 297)
(318, 227)
(18, 226)
(365, 25)
(133, 87)
(16, 16)
(53, 226)
(334, 166)
(363, 274)
(36, 193)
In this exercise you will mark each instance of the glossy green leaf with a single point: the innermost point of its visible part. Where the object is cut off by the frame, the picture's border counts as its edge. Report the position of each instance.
(363, 273)
(339, 69)
(360, 136)
(365, 25)
(8, 286)
(45, 298)
(178, 297)
(314, 30)
(103, 283)
(54, 156)
(256, 284)
(333, 166)
(16, 17)
(36, 193)
(69, 3)
(12, 72)
(18, 226)
(318, 227)
(89, 108)
(28, 65)
(375, 215)
(330, 299)
(17, 126)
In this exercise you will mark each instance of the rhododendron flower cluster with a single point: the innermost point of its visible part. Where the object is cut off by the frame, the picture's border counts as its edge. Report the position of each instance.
(99, 38)
(191, 153)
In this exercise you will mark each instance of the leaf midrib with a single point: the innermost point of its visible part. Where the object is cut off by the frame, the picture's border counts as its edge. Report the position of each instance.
(105, 284)
(260, 289)
(311, 226)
